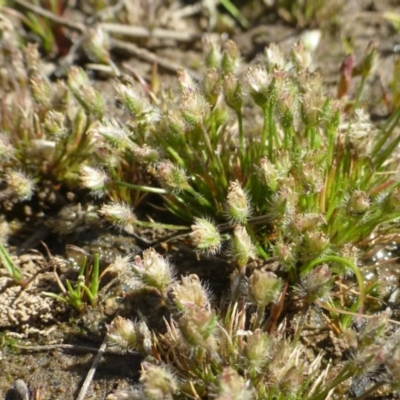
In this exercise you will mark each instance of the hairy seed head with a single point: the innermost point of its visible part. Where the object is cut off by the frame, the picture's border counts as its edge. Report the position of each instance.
(94, 179)
(119, 214)
(206, 236)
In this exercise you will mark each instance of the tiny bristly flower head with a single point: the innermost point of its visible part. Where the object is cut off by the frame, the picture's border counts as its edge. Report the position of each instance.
(230, 57)
(137, 103)
(7, 150)
(41, 90)
(212, 51)
(21, 183)
(243, 248)
(313, 97)
(270, 174)
(264, 288)
(54, 124)
(153, 270)
(122, 333)
(367, 359)
(308, 222)
(358, 203)
(232, 89)
(198, 326)
(82, 89)
(314, 243)
(128, 335)
(129, 97)
(212, 86)
(205, 236)
(171, 176)
(232, 386)
(158, 382)
(145, 154)
(285, 253)
(259, 81)
(97, 45)
(193, 106)
(118, 214)
(190, 293)
(274, 57)
(373, 329)
(94, 179)
(392, 366)
(257, 350)
(238, 204)
(301, 56)
(291, 381)
(112, 132)
(316, 283)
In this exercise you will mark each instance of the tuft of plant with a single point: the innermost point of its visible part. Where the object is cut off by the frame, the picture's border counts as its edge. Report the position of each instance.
(257, 161)
(49, 130)
(234, 352)
(301, 180)
(307, 12)
(86, 288)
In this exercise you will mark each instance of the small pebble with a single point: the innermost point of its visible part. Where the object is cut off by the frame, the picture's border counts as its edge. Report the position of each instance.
(18, 391)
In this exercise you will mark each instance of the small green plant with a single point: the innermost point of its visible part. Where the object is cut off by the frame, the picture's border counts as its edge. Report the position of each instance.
(10, 266)
(86, 289)
(307, 12)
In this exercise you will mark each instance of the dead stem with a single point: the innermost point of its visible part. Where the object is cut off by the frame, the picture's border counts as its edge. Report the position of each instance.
(150, 57)
(53, 17)
(143, 32)
(72, 347)
(92, 370)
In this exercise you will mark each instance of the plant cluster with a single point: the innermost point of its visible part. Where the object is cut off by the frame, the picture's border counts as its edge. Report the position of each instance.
(234, 352)
(87, 286)
(301, 181)
(307, 12)
(305, 184)
(259, 164)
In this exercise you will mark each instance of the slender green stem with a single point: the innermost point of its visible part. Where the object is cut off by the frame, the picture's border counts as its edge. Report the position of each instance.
(271, 134)
(156, 225)
(264, 133)
(89, 294)
(260, 250)
(386, 130)
(141, 188)
(341, 377)
(235, 12)
(359, 92)
(202, 200)
(242, 148)
(382, 157)
(215, 159)
(347, 262)
(94, 285)
(176, 156)
(9, 265)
